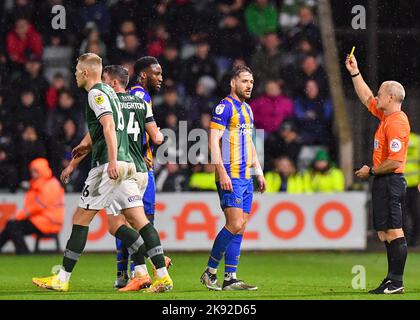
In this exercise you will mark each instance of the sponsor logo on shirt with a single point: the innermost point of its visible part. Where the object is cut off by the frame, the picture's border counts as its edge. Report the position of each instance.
(99, 99)
(134, 198)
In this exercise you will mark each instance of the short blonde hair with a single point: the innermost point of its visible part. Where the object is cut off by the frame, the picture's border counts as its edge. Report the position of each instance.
(91, 61)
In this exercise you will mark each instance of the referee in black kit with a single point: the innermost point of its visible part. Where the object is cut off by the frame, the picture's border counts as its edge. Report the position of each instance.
(389, 158)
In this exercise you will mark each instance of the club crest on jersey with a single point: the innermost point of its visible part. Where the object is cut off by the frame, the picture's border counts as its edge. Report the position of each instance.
(220, 108)
(376, 144)
(140, 94)
(395, 145)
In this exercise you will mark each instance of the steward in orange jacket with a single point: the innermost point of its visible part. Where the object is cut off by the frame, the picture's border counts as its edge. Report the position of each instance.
(43, 209)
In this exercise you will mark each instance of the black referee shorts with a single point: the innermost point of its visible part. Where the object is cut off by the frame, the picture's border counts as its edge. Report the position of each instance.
(388, 193)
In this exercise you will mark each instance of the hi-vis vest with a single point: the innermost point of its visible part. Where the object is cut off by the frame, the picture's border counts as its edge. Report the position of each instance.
(330, 181)
(273, 183)
(412, 167)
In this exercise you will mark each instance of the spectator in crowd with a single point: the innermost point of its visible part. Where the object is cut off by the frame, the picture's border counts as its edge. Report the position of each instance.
(43, 208)
(411, 205)
(172, 178)
(125, 12)
(295, 57)
(57, 57)
(8, 170)
(201, 64)
(261, 17)
(271, 108)
(232, 39)
(94, 14)
(305, 29)
(286, 141)
(171, 64)
(156, 40)
(202, 178)
(93, 37)
(29, 113)
(171, 104)
(29, 147)
(314, 114)
(173, 13)
(205, 119)
(267, 61)
(20, 8)
(6, 114)
(202, 102)
(57, 85)
(289, 13)
(230, 7)
(126, 28)
(66, 109)
(132, 49)
(323, 176)
(23, 41)
(284, 177)
(32, 79)
(310, 70)
(67, 138)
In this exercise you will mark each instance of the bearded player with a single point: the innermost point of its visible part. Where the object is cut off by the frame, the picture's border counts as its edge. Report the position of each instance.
(235, 158)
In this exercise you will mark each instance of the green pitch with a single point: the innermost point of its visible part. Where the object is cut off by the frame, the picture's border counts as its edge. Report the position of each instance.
(279, 275)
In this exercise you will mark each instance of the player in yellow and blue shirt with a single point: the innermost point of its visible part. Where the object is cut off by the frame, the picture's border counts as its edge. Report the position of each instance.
(235, 159)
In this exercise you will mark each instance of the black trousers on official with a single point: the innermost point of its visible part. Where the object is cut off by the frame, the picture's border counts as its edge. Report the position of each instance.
(16, 232)
(411, 216)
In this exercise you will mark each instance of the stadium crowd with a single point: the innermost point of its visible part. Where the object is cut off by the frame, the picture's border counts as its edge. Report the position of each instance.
(196, 42)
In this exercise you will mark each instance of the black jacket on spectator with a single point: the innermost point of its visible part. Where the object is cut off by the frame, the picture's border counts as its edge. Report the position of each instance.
(38, 85)
(275, 146)
(196, 68)
(8, 170)
(300, 79)
(29, 116)
(309, 31)
(171, 69)
(28, 150)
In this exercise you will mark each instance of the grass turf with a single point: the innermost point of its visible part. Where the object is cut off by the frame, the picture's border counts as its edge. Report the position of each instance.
(279, 275)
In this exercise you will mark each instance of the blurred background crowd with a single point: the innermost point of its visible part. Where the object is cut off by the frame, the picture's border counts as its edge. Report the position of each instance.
(197, 43)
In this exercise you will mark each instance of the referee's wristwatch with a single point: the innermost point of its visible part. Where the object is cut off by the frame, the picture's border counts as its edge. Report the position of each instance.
(371, 171)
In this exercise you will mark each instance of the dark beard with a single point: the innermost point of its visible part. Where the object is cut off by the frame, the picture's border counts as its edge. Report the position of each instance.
(151, 90)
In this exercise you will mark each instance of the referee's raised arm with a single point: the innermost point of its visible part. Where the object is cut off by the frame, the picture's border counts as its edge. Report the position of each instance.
(362, 89)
